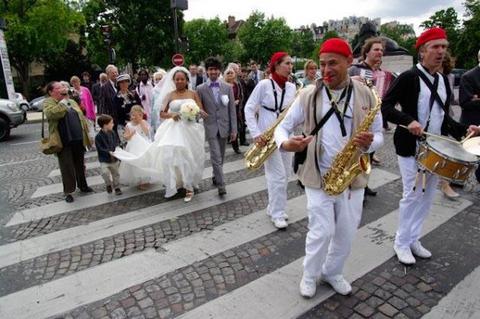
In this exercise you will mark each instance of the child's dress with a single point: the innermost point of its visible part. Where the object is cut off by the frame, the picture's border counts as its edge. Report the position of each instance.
(137, 145)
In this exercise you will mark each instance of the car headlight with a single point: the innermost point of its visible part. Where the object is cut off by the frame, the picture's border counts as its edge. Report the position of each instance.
(13, 107)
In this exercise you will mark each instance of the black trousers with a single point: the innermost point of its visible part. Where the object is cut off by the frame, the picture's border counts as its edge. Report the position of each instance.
(72, 167)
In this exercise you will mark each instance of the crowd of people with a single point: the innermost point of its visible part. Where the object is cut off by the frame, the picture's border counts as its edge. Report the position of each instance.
(165, 146)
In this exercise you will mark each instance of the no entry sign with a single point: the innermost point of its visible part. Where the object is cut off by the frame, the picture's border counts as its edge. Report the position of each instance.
(177, 59)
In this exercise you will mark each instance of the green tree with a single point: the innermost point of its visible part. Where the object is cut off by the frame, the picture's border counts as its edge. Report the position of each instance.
(206, 38)
(403, 34)
(262, 37)
(303, 43)
(142, 30)
(469, 37)
(37, 31)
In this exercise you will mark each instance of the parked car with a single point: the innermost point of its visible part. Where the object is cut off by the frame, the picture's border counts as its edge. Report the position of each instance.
(37, 103)
(22, 102)
(10, 116)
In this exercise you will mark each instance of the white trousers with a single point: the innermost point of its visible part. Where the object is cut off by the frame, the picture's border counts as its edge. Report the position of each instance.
(277, 172)
(414, 205)
(332, 224)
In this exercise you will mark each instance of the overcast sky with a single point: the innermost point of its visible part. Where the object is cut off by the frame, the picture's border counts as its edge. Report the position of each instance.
(305, 12)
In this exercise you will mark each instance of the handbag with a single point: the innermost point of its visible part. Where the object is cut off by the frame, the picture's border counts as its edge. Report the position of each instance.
(51, 144)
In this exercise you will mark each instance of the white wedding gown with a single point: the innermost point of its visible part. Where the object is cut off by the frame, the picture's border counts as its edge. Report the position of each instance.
(177, 155)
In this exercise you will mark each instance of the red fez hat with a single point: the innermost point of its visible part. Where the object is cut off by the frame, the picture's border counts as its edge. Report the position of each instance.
(277, 56)
(336, 45)
(429, 35)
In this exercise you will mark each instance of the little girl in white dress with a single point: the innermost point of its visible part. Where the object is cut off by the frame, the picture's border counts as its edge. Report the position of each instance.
(138, 134)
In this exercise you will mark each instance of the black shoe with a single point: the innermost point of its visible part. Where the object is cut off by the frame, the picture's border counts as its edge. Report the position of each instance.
(87, 190)
(69, 198)
(214, 181)
(222, 191)
(244, 143)
(237, 150)
(118, 191)
(109, 189)
(370, 192)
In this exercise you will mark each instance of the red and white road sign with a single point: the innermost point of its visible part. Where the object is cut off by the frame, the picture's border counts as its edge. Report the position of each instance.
(178, 59)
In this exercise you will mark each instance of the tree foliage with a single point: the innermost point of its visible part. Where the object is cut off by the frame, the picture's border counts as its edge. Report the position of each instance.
(303, 43)
(37, 31)
(142, 30)
(403, 34)
(469, 37)
(206, 38)
(262, 37)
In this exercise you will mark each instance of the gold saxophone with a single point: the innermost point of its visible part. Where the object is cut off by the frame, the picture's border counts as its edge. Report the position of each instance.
(256, 154)
(350, 162)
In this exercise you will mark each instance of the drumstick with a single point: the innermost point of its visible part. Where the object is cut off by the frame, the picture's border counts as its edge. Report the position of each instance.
(434, 135)
(467, 137)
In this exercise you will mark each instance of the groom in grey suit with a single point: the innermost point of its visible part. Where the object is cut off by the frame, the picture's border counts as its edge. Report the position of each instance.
(221, 123)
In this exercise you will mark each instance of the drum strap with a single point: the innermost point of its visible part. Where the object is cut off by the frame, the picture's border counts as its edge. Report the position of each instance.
(433, 87)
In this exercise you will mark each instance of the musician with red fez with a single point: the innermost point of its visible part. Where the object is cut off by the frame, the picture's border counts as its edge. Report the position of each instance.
(269, 98)
(337, 105)
(424, 97)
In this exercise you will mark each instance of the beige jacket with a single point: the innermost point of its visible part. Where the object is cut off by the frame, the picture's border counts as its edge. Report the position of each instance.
(363, 100)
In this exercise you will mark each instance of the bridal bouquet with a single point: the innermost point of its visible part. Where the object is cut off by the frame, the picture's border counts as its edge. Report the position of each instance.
(189, 111)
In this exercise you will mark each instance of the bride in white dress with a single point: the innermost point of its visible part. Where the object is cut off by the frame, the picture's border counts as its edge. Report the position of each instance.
(177, 155)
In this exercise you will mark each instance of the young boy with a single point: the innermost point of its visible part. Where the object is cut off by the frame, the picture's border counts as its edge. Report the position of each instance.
(105, 142)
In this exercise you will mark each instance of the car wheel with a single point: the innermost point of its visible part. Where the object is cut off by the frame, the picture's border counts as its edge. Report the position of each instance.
(4, 130)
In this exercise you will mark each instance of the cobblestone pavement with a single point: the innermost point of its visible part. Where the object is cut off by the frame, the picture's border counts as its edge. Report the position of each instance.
(204, 280)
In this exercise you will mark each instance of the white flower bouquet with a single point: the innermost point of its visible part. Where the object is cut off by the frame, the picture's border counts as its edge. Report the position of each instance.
(189, 111)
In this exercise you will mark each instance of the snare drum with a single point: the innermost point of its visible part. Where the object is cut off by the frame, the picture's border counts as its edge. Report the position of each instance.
(446, 158)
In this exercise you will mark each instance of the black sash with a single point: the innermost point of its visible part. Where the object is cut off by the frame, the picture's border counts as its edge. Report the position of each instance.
(299, 157)
(433, 87)
(278, 109)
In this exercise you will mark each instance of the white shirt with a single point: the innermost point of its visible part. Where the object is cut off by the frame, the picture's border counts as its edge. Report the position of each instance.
(113, 85)
(437, 113)
(147, 91)
(262, 95)
(193, 82)
(331, 140)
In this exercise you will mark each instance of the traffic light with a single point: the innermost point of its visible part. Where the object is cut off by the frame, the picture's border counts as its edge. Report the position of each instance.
(179, 4)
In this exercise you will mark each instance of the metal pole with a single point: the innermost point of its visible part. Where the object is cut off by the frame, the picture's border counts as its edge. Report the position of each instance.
(175, 26)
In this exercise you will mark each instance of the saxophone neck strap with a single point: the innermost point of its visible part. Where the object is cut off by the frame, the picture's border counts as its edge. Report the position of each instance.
(347, 92)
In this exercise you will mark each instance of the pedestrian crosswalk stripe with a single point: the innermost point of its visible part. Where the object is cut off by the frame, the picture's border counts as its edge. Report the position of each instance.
(102, 281)
(276, 295)
(463, 301)
(228, 167)
(29, 248)
(96, 164)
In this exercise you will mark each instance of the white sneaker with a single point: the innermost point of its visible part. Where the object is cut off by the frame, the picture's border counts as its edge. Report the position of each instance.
(420, 251)
(284, 215)
(404, 255)
(308, 287)
(280, 222)
(339, 284)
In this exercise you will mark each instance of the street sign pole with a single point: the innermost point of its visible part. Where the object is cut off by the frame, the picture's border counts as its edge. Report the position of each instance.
(175, 26)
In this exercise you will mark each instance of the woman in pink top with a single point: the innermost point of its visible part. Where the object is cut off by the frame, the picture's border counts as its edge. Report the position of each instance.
(85, 98)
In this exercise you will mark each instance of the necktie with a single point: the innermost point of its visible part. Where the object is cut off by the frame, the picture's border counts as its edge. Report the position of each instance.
(214, 85)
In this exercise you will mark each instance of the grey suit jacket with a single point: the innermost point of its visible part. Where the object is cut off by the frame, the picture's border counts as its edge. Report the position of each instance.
(222, 119)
